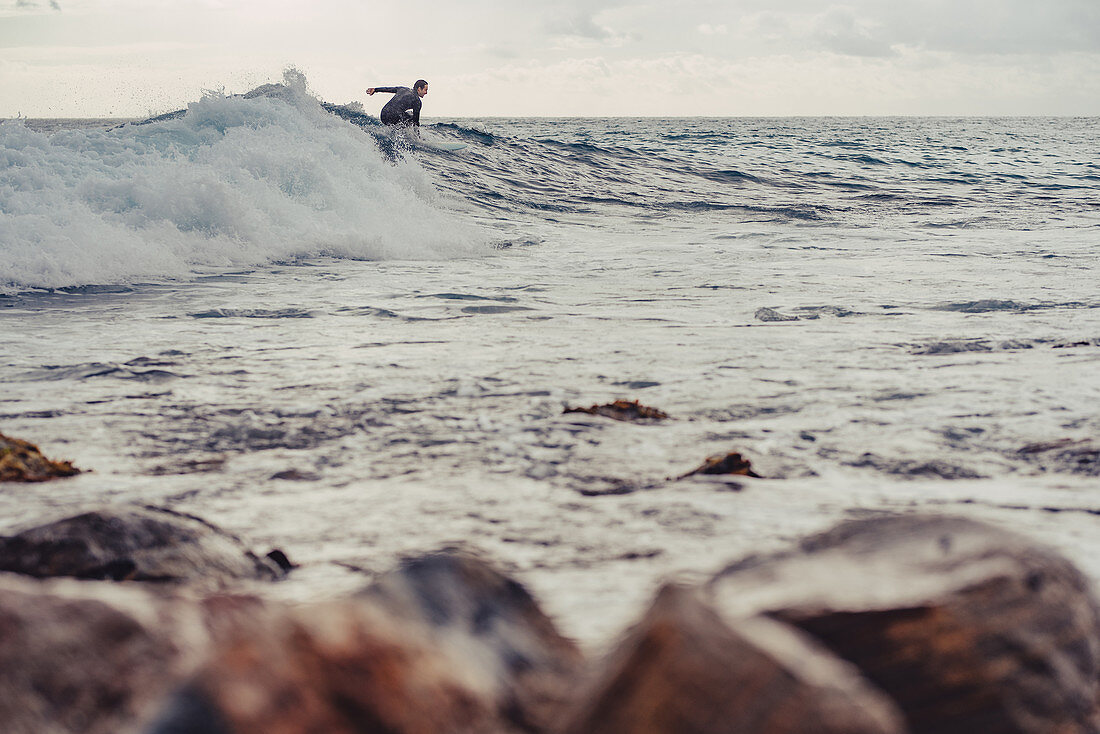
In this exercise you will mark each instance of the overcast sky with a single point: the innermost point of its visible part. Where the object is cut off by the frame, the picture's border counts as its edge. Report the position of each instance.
(62, 58)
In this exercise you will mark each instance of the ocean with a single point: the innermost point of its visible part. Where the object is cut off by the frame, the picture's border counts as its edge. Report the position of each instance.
(333, 342)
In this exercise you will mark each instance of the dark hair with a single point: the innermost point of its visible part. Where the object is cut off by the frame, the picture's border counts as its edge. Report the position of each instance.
(420, 83)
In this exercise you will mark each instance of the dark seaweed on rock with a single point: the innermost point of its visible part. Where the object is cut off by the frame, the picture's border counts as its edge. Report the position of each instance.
(21, 461)
(623, 410)
(731, 463)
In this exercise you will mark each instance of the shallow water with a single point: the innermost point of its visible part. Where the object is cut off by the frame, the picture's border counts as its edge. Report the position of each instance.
(278, 365)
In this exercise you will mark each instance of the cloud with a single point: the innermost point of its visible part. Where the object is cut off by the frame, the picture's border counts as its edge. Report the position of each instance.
(596, 57)
(580, 25)
(20, 7)
(1009, 27)
(872, 28)
(712, 30)
(842, 31)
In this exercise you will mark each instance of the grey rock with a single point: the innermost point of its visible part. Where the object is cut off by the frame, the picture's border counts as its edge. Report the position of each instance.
(133, 543)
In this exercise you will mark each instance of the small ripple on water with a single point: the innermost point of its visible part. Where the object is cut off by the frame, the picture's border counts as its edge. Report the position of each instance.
(253, 313)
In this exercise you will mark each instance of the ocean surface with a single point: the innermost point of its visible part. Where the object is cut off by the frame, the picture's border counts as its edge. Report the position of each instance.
(353, 347)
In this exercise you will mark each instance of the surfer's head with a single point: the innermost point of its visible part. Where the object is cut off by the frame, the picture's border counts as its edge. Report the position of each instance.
(421, 87)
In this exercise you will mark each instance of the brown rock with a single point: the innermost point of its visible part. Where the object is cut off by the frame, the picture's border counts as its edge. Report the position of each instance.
(683, 670)
(967, 627)
(339, 668)
(21, 461)
(731, 463)
(89, 658)
(133, 543)
(623, 410)
(445, 644)
(493, 624)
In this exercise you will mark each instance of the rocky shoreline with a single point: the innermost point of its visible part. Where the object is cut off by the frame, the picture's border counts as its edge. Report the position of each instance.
(909, 623)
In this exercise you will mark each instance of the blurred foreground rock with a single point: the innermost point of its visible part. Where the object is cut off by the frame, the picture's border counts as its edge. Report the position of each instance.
(92, 658)
(134, 543)
(684, 670)
(338, 668)
(21, 461)
(444, 644)
(490, 621)
(967, 627)
(882, 626)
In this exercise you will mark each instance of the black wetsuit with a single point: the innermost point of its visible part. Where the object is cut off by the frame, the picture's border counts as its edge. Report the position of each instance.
(396, 111)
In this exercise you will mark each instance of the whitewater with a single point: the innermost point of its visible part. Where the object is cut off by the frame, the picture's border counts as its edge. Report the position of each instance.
(274, 314)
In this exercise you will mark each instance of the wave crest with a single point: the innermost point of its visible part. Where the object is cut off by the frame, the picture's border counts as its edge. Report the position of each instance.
(233, 181)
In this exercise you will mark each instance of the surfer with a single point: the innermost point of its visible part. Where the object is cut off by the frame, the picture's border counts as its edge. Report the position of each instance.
(403, 109)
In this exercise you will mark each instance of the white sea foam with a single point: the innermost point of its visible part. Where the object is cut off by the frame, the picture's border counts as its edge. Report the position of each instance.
(234, 182)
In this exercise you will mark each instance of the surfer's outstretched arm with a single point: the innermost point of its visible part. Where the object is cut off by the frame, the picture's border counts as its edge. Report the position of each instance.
(391, 90)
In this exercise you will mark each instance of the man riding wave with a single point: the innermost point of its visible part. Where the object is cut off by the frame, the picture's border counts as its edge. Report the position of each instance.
(403, 109)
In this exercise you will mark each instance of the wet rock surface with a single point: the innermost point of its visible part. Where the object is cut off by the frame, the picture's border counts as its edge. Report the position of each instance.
(683, 670)
(21, 461)
(967, 627)
(134, 543)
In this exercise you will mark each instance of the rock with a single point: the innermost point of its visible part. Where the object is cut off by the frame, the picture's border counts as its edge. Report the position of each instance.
(280, 559)
(21, 461)
(623, 410)
(134, 543)
(340, 668)
(770, 314)
(445, 644)
(493, 624)
(76, 659)
(731, 463)
(967, 627)
(1067, 455)
(683, 670)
